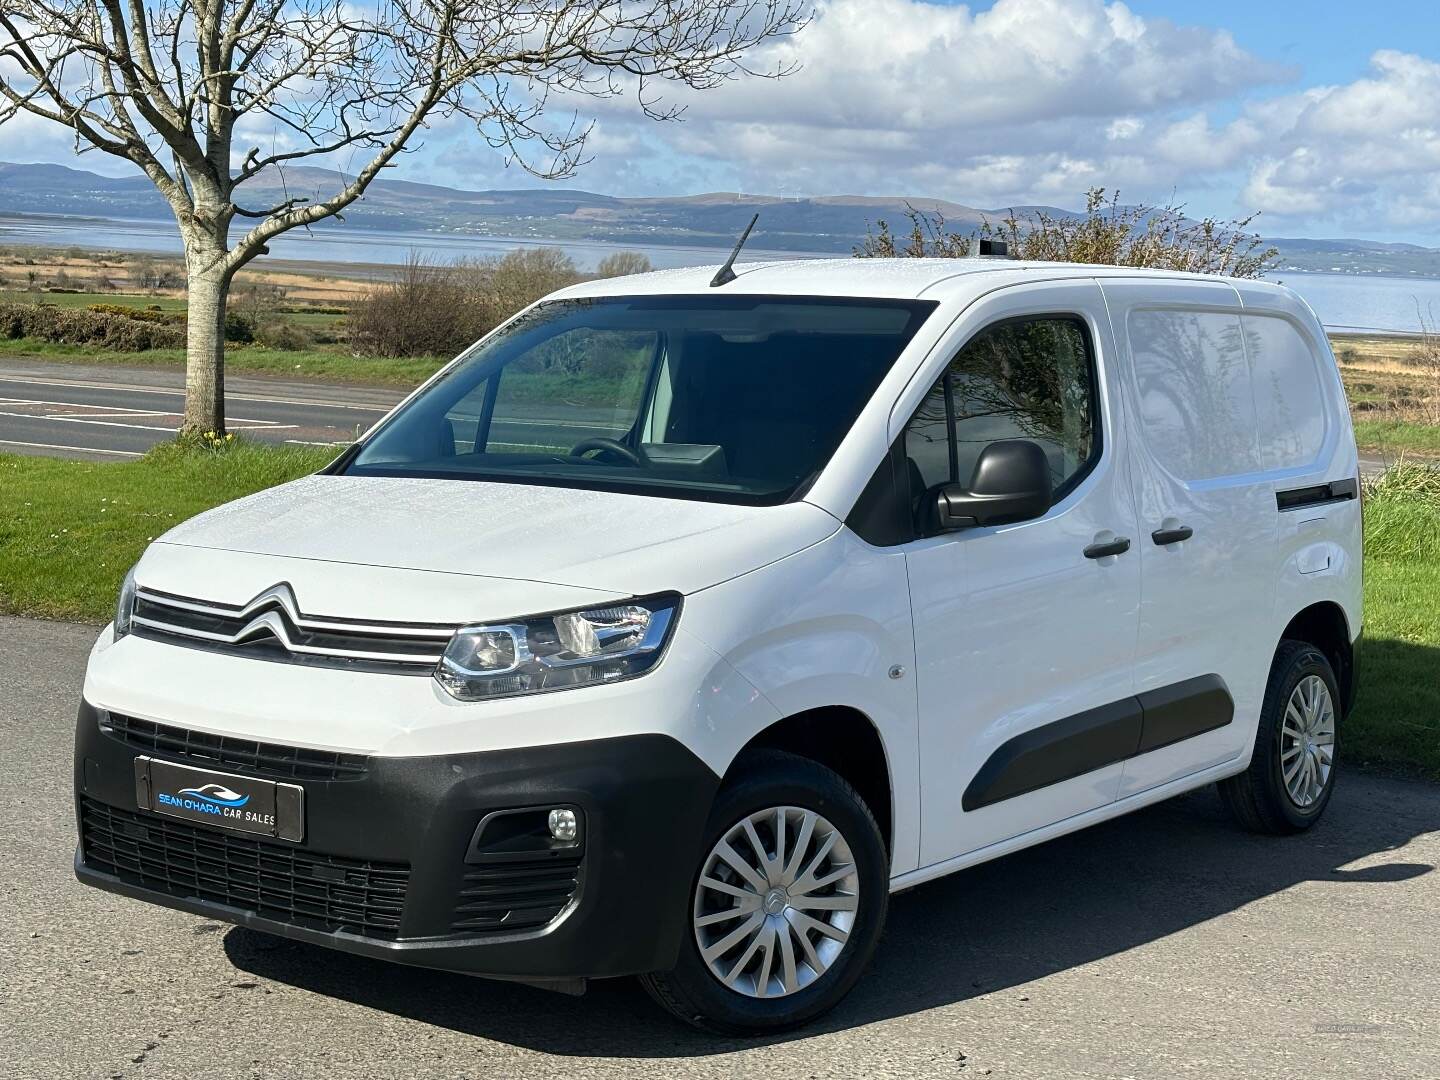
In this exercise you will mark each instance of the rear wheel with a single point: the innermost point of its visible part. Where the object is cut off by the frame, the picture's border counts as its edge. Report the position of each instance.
(787, 902)
(1292, 771)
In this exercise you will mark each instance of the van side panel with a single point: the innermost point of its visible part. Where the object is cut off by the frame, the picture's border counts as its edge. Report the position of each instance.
(1207, 600)
(1319, 537)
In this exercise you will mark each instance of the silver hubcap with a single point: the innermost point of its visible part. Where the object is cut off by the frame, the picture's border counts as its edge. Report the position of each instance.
(1307, 741)
(776, 902)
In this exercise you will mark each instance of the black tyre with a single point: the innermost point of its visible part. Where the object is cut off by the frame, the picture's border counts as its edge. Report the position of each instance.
(786, 903)
(1292, 771)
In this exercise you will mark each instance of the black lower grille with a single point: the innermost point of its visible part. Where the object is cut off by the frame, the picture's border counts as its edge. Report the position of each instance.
(515, 895)
(320, 892)
(227, 751)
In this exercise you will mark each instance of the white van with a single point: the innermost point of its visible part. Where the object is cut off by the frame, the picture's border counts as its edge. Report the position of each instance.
(674, 626)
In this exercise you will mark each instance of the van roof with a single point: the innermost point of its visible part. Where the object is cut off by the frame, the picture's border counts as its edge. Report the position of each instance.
(931, 279)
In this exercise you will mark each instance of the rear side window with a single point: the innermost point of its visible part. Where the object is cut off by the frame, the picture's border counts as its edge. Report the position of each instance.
(1030, 378)
(1289, 403)
(1225, 394)
(1194, 385)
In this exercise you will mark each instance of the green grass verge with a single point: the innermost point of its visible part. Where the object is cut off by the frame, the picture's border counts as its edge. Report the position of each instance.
(246, 360)
(1395, 437)
(69, 531)
(85, 299)
(1396, 722)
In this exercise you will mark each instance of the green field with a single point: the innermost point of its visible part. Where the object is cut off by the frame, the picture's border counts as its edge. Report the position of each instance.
(330, 366)
(1396, 437)
(173, 304)
(69, 531)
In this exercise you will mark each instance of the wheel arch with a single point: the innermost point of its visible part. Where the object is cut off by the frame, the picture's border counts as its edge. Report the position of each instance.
(843, 739)
(1325, 626)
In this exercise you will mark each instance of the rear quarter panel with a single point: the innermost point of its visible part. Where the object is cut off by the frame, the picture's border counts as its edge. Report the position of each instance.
(1319, 547)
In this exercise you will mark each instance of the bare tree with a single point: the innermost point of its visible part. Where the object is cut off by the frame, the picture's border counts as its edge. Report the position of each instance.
(622, 264)
(171, 85)
(1425, 358)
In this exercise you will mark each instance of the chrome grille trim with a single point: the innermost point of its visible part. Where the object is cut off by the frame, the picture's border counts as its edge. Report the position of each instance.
(316, 622)
(272, 627)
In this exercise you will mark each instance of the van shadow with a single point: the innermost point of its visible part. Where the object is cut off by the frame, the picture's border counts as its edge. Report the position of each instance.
(1060, 905)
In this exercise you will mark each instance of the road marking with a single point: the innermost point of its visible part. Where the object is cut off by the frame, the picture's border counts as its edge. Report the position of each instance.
(252, 425)
(79, 449)
(117, 409)
(181, 394)
(74, 420)
(113, 415)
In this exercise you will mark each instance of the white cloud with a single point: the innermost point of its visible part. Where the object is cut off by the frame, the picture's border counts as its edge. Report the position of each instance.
(28, 138)
(1020, 102)
(1034, 100)
(1124, 127)
(891, 88)
(1363, 154)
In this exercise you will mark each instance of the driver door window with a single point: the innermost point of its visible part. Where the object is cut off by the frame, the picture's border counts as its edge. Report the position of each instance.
(1028, 378)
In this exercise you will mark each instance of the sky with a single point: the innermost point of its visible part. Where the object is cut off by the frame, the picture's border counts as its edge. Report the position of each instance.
(1322, 116)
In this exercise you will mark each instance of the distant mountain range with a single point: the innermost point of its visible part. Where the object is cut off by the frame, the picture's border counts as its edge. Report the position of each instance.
(833, 223)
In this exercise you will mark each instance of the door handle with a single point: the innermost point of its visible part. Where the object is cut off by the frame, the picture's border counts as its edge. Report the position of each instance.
(1118, 546)
(1172, 536)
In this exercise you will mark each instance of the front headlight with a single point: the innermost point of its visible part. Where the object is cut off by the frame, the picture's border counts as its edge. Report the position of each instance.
(558, 652)
(125, 606)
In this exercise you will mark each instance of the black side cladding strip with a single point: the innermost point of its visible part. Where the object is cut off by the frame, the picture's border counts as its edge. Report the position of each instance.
(1334, 491)
(1184, 710)
(1098, 737)
(1057, 751)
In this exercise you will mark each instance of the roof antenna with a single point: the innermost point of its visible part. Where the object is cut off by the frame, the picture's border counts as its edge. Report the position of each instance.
(726, 273)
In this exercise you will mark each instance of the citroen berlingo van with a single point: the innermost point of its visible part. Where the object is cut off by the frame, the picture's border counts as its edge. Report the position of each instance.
(679, 622)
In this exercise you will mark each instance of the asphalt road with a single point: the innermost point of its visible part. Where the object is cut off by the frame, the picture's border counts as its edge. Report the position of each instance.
(109, 413)
(1163, 945)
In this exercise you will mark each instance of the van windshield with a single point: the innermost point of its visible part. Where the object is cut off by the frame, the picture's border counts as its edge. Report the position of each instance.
(724, 398)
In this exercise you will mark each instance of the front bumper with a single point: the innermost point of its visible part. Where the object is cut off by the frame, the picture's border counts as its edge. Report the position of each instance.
(403, 829)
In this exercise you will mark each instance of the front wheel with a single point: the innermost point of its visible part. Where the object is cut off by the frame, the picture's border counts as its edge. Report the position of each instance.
(1292, 771)
(787, 902)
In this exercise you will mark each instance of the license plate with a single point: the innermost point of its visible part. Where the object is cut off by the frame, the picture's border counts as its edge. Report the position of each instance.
(226, 801)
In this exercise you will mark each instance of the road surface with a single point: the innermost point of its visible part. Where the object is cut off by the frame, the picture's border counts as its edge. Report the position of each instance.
(1166, 944)
(109, 413)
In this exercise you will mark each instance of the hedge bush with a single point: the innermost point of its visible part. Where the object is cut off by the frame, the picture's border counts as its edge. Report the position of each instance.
(153, 314)
(437, 309)
(76, 326)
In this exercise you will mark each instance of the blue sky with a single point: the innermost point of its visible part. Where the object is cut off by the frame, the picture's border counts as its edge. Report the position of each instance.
(1323, 116)
(1328, 41)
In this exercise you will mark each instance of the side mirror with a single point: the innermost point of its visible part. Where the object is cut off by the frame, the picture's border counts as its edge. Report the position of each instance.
(1011, 483)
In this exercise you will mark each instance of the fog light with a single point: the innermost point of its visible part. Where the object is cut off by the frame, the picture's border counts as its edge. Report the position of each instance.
(563, 826)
